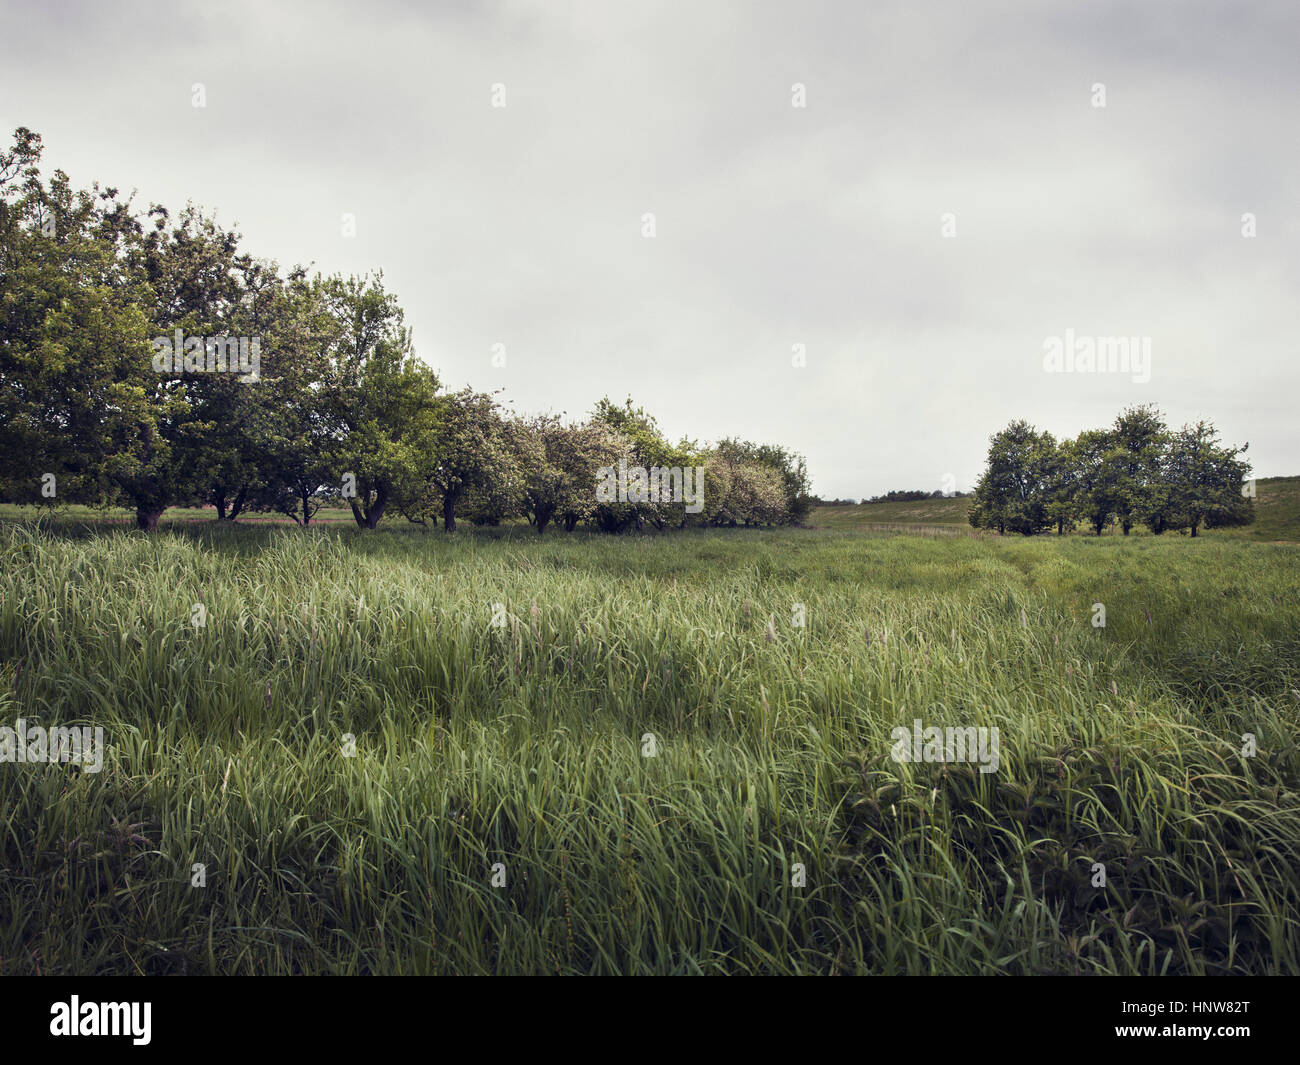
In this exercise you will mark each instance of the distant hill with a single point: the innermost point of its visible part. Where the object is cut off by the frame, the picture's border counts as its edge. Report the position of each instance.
(1277, 508)
(920, 512)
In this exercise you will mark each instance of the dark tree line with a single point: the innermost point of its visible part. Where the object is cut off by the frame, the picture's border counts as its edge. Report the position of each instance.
(914, 496)
(1136, 472)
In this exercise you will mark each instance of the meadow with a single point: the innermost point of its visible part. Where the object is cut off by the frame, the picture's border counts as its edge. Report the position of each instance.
(402, 752)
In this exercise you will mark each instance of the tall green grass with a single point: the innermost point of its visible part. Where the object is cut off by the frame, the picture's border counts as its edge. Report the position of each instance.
(520, 746)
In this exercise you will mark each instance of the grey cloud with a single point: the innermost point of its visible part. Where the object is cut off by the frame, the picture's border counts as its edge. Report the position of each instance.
(775, 225)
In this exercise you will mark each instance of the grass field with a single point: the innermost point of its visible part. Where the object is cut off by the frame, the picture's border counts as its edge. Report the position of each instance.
(1277, 513)
(647, 766)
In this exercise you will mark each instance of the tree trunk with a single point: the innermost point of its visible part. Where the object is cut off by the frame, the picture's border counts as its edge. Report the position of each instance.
(237, 507)
(376, 510)
(1193, 530)
(449, 513)
(147, 519)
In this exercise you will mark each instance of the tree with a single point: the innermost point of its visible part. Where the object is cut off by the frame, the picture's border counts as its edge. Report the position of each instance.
(75, 376)
(558, 465)
(641, 445)
(470, 448)
(1062, 486)
(293, 432)
(1014, 489)
(1205, 479)
(793, 471)
(744, 485)
(1094, 491)
(1139, 439)
(757, 495)
(379, 400)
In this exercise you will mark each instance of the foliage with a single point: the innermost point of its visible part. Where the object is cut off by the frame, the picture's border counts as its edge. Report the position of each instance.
(95, 410)
(1136, 471)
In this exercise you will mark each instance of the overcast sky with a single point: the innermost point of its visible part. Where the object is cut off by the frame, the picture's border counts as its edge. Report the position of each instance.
(775, 225)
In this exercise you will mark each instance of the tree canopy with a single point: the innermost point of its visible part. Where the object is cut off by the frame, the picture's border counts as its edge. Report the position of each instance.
(148, 361)
(1137, 471)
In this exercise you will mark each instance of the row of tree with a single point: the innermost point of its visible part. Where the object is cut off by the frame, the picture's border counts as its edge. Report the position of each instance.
(1136, 472)
(914, 495)
(341, 409)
